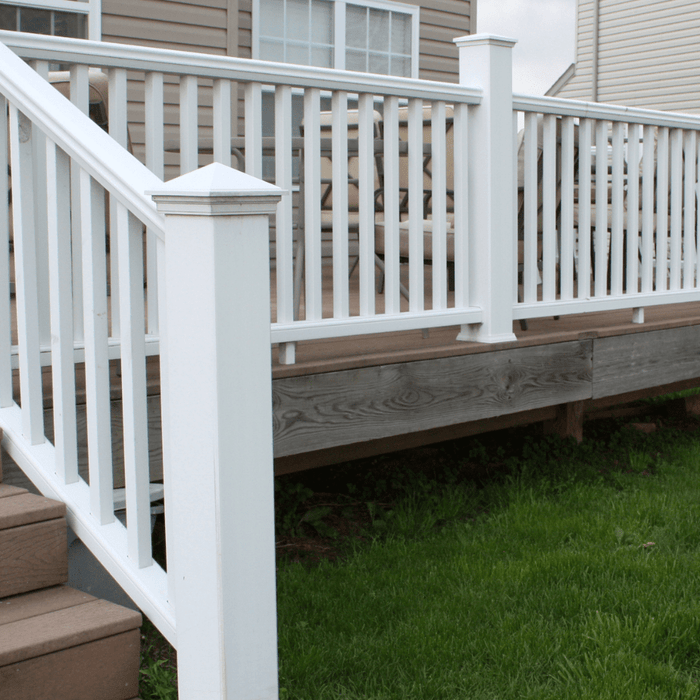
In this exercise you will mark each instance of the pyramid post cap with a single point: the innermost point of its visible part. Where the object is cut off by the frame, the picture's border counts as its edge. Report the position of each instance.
(216, 180)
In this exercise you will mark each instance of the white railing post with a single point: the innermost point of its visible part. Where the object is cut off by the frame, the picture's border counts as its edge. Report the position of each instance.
(485, 61)
(219, 459)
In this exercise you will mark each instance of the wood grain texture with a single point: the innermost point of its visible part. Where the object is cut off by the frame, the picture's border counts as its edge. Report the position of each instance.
(155, 445)
(6, 490)
(361, 450)
(60, 629)
(22, 607)
(568, 421)
(627, 363)
(106, 669)
(27, 508)
(33, 556)
(323, 411)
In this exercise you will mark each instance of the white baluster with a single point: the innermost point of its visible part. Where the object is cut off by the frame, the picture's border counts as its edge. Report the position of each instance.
(618, 195)
(690, 191)
(312, 203)
(416, 261)
(189, 104)
(676, 207)
(438, 167)
(549, 207)
(133, 368)
(601, 208)
(118, 130)
(632, 267)
(648, 211)
(284, 219)
(5, 307)
(662, 165)
(253, 129)
(97, 386)
(222, 121)
(566, 263)
(584, 210)
(60, 285)
(339, 192)
(462, 225)
(39, 173)
(530, 213)
(155, 162)
(79, 96)
(25, 244)
(392, 270)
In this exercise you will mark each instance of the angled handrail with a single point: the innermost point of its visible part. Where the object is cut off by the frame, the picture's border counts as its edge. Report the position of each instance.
(114, 168)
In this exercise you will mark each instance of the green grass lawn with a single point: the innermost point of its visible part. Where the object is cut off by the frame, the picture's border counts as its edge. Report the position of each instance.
(508, 567)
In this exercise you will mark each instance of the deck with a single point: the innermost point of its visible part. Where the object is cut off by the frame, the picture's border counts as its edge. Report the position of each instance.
(346, 398)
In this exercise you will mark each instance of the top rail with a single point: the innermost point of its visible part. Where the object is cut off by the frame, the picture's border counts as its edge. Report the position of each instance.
(62, 50)
(596, 110)
(114, 168)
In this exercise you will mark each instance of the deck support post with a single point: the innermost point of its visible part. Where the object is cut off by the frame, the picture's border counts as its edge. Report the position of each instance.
(568, 422)
(217, 432)
(486, 61)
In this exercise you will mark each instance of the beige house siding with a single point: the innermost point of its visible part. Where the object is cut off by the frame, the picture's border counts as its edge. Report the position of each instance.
(209, 26)
(648, 54)
(440, 23)
(224, 27)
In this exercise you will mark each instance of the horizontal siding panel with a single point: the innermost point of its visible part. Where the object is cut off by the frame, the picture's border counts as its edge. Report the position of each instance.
(198, 48)
(654, 56)
(442, 19)
(680, 75)
(171, 12)
(438, 48)
(672, 34)
(436, 75)
(174, 35)
(433, 33)
(633, 8)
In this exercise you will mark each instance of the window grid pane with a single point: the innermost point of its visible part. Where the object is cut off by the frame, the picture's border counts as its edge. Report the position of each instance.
(303, 32)
(297, 31)
(378, 41)
(40, 21)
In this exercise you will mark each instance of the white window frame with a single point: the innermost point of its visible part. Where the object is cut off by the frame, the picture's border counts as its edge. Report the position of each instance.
(91, 8)
(339, 28)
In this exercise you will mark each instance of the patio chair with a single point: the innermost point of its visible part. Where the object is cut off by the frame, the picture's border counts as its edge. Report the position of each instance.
(404, 204)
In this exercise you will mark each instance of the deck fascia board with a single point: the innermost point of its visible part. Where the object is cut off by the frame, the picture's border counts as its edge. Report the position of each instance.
(322, 411)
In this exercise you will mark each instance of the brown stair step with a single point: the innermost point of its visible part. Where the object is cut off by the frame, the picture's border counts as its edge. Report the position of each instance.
(61, 644)
(7, 490)
(33, 549)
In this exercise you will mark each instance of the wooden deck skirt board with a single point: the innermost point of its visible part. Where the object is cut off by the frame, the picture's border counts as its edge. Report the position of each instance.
(316, 412)
(622, 364)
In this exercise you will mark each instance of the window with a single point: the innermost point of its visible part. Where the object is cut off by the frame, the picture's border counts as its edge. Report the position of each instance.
(78, 19)
(370, 36)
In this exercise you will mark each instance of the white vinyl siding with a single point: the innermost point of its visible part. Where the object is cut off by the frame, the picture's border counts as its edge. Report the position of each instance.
(649, 54)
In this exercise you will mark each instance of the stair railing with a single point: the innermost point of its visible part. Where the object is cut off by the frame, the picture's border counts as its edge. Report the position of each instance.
(216, 604)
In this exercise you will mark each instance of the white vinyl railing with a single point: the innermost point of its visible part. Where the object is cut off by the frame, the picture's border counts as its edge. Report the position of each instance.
(343, 141)
(590, 208)
(59, 157)
(606, 207)
(216, 603)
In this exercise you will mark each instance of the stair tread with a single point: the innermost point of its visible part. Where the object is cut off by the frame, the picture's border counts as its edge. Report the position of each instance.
(64, 628)
(27, 508)
(28, 605)
(7, 490)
